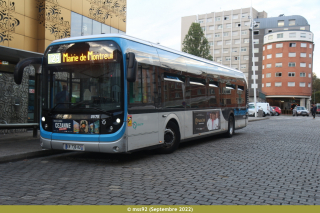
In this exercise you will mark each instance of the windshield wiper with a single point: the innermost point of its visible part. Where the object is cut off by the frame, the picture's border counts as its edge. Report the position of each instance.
(101, 110)
(51, 110)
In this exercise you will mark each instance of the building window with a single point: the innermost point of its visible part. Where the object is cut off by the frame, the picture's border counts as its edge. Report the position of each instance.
(263, 48)
(219, 26)
(303, 55)
(292, 54)
(216, 51)
(292, 64)
(269, 56)
(243, 49)
(302, 74)
(309, 75)
(236, 58)
(303, 35)
(256, 41)
(228, 58)
(217, 35)
(235, 16)
(302, 28)
(234, 33)
(278, 74)
(225, 34)
(292, 22)
(200, 21)
(256, 32)
(309, 84)
(262, 75)
(219, 43)
(302, 84)
(211, 27)
(209, 19)
(280, 35)
(269, 31)
(203, 29)
(268, 84)
(246, 57)
(270, 37)
(262, 57)
(309, 65)
(211, 43)
(310, 46)
(244, 15)
(225, 50)
(279, 45)
(208, 35)
(268, 75)
(228, 42)
(269, 66)
(218, 59)
(228, 25)
(262, 85)
(237, 41)
(303, 65)
(292, 44)
(292, 35)
(246, 40)
(234, 50)
(309, 55)
(226, 18)
(278, 55)
(278, 64)
(278, 84)
(303, 44)
(243, 66)
(247, 23)
(237, 25)
(280, 23)
(263, 67)
(218, 18)
(256, 50)
(243, 32)
(269, 46)
(291, 84)
(291, 74)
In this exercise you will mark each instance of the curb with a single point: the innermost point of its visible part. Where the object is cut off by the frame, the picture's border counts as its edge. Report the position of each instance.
(29, 155)
(257, 119)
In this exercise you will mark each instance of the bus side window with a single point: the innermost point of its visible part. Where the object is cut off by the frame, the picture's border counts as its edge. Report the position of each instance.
(142, 91)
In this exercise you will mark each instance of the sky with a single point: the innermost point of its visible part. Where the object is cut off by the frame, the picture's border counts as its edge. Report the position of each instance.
(159, 21)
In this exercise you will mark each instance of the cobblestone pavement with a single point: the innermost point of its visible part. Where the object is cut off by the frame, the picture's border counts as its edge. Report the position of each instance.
(274, 161)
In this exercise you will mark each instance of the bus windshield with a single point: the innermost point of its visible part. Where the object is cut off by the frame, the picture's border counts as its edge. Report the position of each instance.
(83, 77)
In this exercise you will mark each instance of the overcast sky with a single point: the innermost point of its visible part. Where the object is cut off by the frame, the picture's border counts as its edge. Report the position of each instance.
(160, 20)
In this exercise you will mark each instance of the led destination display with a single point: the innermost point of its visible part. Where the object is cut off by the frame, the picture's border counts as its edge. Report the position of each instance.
(55, 58)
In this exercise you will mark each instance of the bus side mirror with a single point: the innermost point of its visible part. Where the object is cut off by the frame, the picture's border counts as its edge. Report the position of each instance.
(131, 67)
(18, 70)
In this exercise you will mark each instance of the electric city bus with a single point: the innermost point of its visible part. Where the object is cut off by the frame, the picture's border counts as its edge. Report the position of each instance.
(115, 93)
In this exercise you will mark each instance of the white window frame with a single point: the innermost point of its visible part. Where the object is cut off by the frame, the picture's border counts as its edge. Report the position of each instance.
(303, 55)
(278, 84)
(302, 64)
(291, 74)
(291, 84)
(268, 84)
(278, 55)
(269, 46)
(303, 74)
(278, 65)
(303, 45)
(291, 55)
(292, 35)
(279, 45)
(302, 84)
(268, 75)
(292, 63)
(269, 56)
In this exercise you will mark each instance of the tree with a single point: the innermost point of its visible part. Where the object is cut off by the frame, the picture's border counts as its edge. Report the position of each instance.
(315, 89)
(195, 42)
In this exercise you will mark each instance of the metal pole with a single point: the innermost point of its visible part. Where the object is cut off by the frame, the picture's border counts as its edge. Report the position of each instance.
(253, 66)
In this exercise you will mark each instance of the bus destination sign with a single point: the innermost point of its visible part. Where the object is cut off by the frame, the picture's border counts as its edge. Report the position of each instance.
(55, 58)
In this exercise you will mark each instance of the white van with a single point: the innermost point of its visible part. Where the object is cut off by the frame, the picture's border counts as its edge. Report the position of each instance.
(264, 106)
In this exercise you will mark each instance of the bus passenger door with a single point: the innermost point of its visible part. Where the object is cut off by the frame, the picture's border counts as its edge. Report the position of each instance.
(142, 113)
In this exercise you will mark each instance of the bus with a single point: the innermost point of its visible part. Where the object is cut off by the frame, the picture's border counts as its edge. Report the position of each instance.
(115, 93)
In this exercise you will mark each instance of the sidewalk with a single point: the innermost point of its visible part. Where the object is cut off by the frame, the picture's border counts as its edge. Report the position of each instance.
(19, 146)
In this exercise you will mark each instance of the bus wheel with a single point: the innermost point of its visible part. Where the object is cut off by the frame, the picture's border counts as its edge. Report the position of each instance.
(230, 132)
(171, 139)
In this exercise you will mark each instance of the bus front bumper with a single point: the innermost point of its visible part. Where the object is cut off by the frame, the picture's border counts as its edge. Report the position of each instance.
(106, 147)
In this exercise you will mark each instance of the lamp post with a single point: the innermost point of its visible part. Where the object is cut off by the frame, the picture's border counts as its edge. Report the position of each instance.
(253, 64)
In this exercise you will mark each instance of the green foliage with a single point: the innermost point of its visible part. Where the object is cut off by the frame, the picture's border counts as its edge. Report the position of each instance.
(195, 42)
(315, 89)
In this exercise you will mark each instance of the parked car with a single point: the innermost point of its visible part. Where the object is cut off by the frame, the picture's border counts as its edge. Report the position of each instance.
(264, 106)
(272, 111)
(278, 110)
(300, 110)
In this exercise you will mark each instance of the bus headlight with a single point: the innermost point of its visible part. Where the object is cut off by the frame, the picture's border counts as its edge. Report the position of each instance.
(118, 120)
(43, 119)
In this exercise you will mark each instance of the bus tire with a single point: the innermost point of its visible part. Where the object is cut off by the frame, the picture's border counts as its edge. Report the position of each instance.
(171, 139)
(230, 132)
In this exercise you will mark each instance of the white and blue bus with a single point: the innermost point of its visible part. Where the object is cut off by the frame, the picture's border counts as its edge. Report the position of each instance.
(115, 93)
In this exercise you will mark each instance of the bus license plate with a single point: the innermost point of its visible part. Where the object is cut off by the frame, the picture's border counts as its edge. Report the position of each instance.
(73, 147)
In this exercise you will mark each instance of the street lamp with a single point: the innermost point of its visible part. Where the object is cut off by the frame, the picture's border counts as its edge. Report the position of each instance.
(253, 24)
